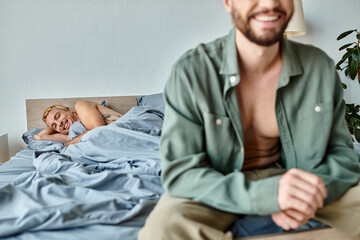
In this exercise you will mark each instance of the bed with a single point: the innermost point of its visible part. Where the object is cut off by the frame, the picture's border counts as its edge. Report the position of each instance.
(104, 187)
(101, 188)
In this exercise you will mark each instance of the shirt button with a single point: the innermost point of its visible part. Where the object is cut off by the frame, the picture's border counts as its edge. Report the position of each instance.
(233, 79)
(317, 109)
(218, 121)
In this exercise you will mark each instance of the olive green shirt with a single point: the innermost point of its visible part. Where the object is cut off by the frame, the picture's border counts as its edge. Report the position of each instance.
(202, 150)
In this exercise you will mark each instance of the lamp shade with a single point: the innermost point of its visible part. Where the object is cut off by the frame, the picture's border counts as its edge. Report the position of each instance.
(296, 26)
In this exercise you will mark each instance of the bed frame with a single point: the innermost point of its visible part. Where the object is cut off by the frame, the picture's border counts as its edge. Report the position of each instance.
(36, 107)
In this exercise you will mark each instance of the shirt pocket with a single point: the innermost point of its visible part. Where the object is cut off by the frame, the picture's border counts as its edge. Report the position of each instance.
(313, 130)
(316, 110)
(219, 140)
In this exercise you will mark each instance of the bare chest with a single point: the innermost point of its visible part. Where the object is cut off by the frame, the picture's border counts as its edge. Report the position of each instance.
(260, 129)
(257, 108)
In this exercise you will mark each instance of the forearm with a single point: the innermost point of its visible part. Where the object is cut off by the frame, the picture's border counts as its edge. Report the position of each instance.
(50, 135)
(231, 192)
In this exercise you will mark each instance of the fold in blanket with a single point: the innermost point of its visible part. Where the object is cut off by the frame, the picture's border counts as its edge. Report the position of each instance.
(111, 177)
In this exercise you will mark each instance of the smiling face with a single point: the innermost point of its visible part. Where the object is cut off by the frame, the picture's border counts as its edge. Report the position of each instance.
(261, 21)
(60, 120)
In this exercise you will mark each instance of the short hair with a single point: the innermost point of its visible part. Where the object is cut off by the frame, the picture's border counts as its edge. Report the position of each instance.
(46, 112)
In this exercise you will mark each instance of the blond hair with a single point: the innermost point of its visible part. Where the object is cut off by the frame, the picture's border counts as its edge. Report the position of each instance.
(46, 112)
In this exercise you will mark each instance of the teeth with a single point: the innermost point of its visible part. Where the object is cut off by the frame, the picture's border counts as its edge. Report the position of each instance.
(266, 18)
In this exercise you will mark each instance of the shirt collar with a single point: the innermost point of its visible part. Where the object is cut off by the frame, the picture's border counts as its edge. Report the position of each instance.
(291, 65)
(230, 59)
(290, 62)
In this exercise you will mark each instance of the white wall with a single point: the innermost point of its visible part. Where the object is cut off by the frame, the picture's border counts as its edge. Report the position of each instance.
(79, 48)
(325, 20)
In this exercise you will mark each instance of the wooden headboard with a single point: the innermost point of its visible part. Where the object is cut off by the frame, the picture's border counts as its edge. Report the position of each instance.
(36, 107)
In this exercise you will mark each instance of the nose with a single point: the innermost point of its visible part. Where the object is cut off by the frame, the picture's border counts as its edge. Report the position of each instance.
(58, 123)
(270, 4)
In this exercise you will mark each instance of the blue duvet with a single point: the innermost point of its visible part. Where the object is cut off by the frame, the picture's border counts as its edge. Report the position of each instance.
(103, 187)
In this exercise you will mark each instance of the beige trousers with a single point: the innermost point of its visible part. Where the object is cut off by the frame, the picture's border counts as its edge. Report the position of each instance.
(180, 218)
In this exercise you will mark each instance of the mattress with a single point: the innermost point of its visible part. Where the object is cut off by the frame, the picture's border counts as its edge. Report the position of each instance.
(20, 163)
(103, 187)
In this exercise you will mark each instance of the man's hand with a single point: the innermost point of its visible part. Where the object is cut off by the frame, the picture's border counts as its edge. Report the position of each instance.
(289, 219)
(75, 140)
(71, 142)
(300, 194)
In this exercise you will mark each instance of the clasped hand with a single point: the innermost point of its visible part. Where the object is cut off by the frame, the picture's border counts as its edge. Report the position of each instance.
(300, 194)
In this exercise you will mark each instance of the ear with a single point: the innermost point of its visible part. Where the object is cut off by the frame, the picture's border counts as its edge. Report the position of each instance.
(227, 5)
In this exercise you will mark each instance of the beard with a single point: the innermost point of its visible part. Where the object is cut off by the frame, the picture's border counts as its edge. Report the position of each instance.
(270, 37)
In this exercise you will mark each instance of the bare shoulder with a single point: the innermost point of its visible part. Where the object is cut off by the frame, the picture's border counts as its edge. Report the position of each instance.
(85, 104)
(89, 108)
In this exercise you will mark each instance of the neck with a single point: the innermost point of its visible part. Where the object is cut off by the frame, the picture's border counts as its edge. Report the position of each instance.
(77, 117)
(253, 58)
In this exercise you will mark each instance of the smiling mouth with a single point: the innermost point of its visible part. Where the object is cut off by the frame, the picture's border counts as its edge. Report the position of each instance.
(66, 125)
(263, 18)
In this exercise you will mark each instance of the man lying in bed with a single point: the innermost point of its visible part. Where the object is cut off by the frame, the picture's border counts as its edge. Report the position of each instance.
(60, 118)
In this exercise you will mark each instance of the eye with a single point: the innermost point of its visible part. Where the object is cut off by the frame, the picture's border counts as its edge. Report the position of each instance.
(53, 126)
(57, 115)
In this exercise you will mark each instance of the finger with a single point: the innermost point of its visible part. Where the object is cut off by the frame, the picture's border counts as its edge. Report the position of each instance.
(287, 222)
(312, 185)
(306, 197)
(299, 216)
(301, 206)
(312, 193)
(290, 196)
(310, 196)
(277, 220)
(311, 179)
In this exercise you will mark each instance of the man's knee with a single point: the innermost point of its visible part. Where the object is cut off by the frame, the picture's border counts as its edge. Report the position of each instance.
(165, 219)
(176, 218)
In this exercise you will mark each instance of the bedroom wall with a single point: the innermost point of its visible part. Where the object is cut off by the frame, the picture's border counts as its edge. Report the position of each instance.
(80, 48)
(325, 20)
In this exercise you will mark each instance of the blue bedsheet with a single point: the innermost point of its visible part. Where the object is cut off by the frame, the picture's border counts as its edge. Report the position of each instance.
(100, 188)
(20, 163)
